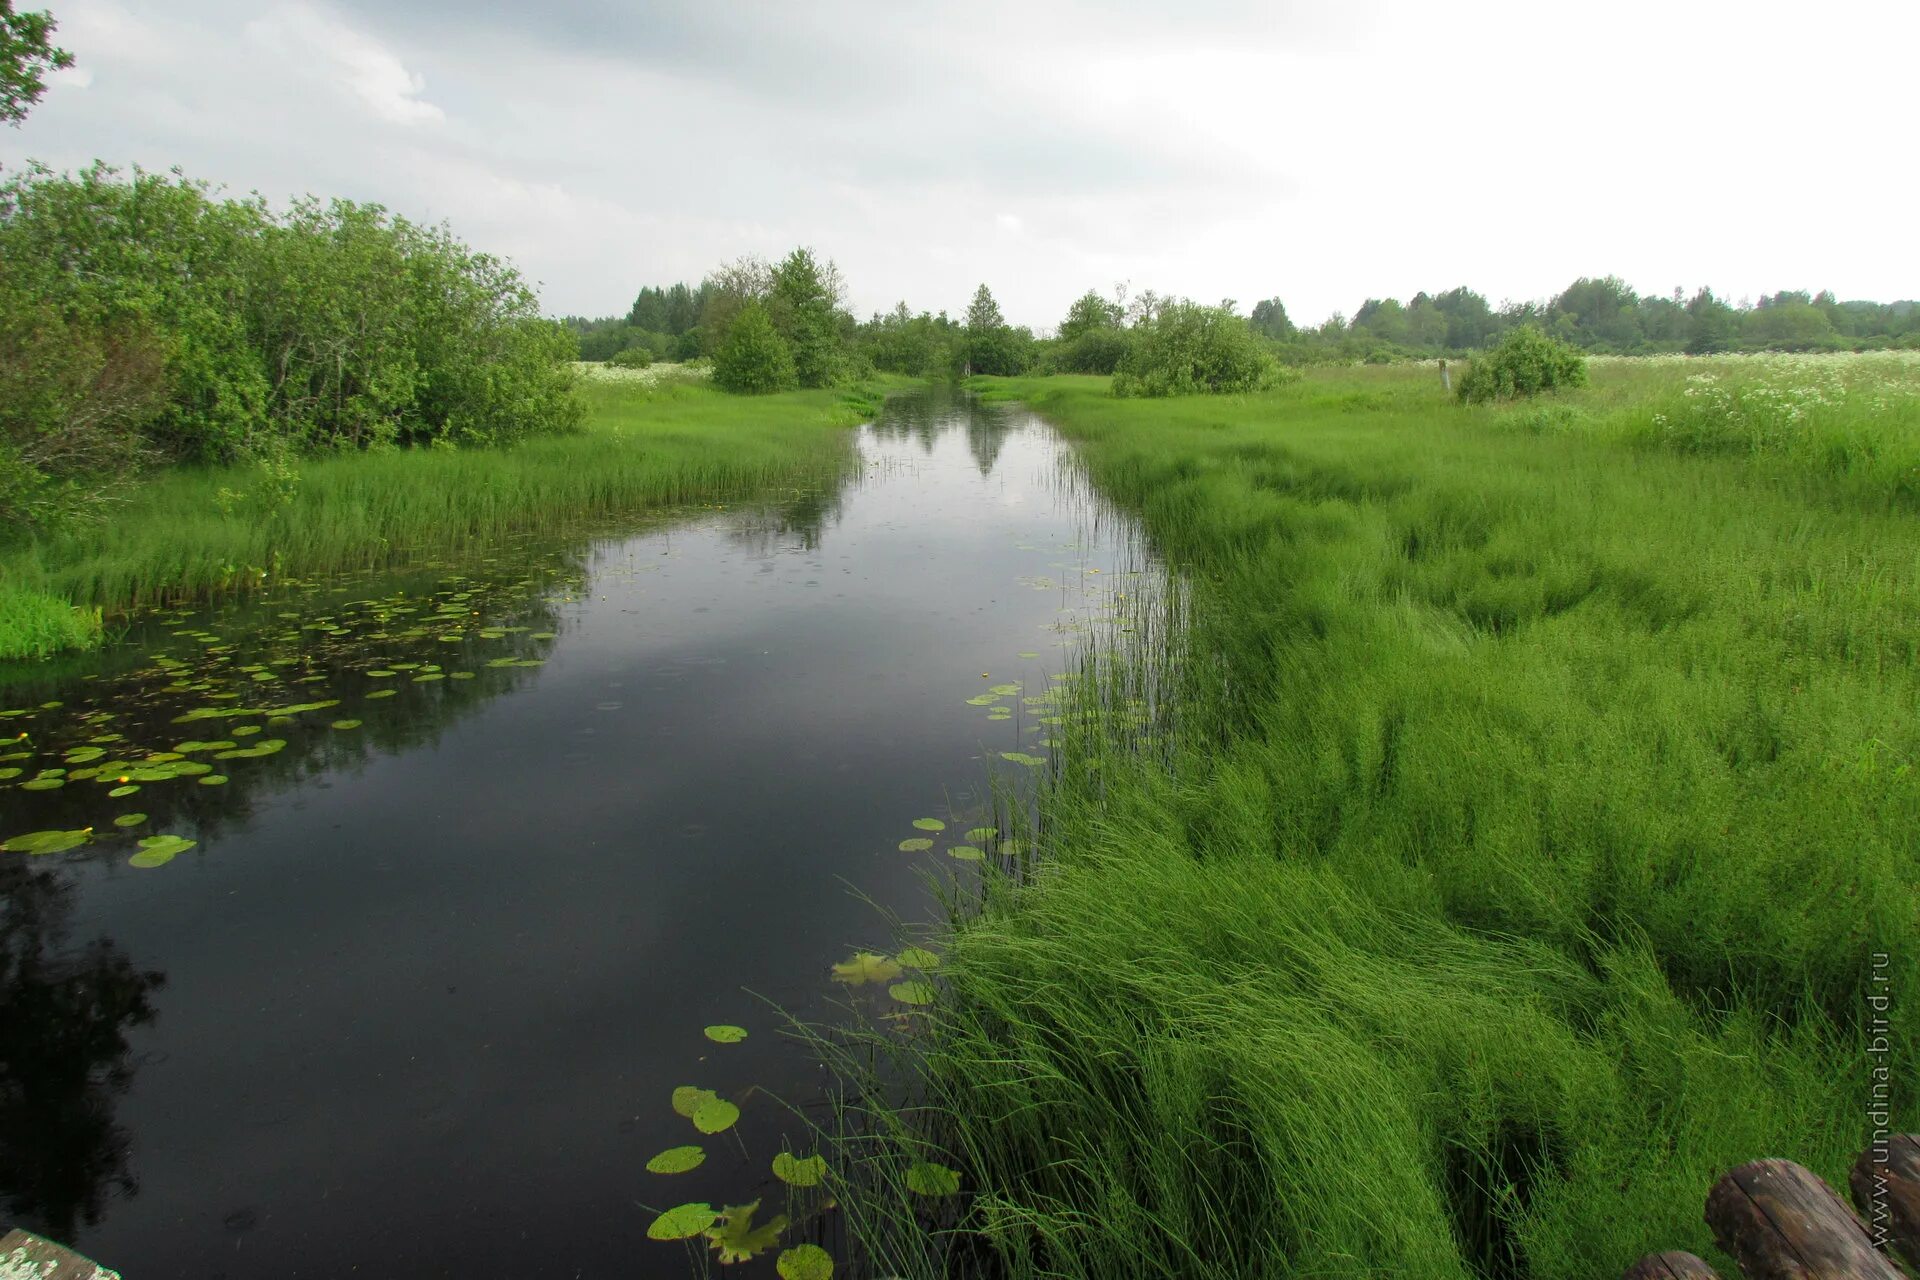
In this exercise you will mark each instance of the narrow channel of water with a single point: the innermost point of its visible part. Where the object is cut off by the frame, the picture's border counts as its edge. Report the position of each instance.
(481, 849)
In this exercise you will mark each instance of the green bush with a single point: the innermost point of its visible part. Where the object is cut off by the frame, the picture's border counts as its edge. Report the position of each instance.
(333, 325)
(74, 397)
(1097, 350)
(631, 358)
(1191, 349)
(753, 359)
(1525, 363)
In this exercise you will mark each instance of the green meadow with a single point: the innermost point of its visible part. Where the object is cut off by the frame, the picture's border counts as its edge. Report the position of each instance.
(187, 532)
(1522, 815)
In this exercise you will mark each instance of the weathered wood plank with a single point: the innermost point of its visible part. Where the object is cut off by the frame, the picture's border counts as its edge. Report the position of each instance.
(1886, 1189)
(1674, 1264)
(25, 1256)
(1780, 1222)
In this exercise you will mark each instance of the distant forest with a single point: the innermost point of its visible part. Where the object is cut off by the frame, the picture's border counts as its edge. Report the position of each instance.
(1602, 315)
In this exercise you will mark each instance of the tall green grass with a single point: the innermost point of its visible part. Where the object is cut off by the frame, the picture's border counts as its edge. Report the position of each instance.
(193, 532)
(1510, 857)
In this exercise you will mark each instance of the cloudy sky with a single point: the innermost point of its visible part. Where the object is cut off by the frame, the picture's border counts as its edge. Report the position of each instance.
(1321, 150)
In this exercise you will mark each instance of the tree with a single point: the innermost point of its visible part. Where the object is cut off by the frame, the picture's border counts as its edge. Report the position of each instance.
(1709, 324)
(1090, 311)
(27, 54)
(1270, 318)
(983, 313)
(753, 358)
(989, 345)
(804, 307)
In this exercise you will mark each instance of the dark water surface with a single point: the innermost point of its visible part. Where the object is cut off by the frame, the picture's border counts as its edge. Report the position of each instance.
(416, 1001)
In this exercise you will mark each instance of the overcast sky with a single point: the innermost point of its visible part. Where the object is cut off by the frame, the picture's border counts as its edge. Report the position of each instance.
(1323, 150)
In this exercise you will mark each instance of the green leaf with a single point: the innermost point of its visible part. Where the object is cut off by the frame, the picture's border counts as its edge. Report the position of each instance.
(1021, 757)
(382, 693)
(804, 1262)
(118, 792)
(865, 967)
(796, 1172)
(924, 1179)
(39, 842)
(129, 819)
(919, 958)
(687, 1099)
(214, 780)
(715, 1115)
(915, 845)
(9, 772)
(982, 833)
(43, 784)
(930, 824)
(736, 1239)
(677, 1160)
(682, 1223)
(912, 992)
(724, 1034)
(966, 853)
(346, 724)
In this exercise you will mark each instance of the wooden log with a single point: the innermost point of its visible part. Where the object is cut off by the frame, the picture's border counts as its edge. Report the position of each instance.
(1674, 1264)
(1886, 1189)
(1780, 1222)
(24, 1254)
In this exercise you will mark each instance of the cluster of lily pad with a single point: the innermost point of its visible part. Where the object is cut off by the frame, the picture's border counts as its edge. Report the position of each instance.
(732, 1230)
(52, 747)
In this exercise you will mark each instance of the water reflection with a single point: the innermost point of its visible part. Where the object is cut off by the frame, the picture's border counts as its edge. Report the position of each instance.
(496, 839)
(64, 1055)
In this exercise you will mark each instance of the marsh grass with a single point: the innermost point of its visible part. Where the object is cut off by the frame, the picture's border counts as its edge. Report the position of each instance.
(1505, 856)
(196, 532)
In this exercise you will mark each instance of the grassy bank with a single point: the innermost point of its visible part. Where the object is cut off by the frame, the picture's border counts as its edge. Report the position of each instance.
(1532, 823)
(198, 531)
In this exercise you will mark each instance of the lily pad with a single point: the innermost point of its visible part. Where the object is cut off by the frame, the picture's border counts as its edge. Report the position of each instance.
(915, 845)
(426, 676)
(382, 693)
(725, 1034)
(38, 842)
(9, 772)
(912, 992)
(214, 780)
(983, 833)
(919, 958)
(129, 819)
(1021, 757)
(804, 1262)
(43, 784)
(677, 1160)
(926, 1179)
(687, 1099)
(84, 755)
(966, 852)
(119, 792)
(930, 824)
(866, 967)
(683, 1222)
(346, 724)
(736, 1239)
(796, 1172)
(715, 1115)
(158, 851)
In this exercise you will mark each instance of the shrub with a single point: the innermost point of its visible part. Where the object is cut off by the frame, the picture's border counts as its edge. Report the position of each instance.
(331, 325)
(1189, 349)
(1098, 350)
(631, 358)
(1525, 363)
(753, 359)
(74, 398)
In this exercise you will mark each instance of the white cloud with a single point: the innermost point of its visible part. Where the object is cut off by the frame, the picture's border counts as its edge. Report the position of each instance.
(1325, 152)
(365, 69)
